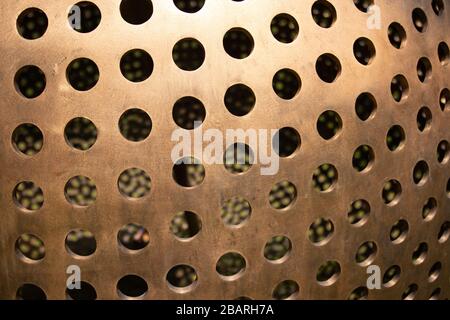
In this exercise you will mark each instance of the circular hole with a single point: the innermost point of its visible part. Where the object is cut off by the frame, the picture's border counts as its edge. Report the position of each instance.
(132, 287)
(399, 231)
(429, 209)
(324, 14)
(286, 83)
(82, 74)
(235, 211)
(28, 196)
(32, 23)
(360, 293)
(188, 113)
(329, 124)
(391, 276)
(364, 51)
(365, 106)
(80, 133)
(185, 225)
(421, 173)
(136, 11)
(363, 5)
(239, 99)
(80, 191)
(424, 118)
(443, 53)
(399, 88)
(420, 253)
(444, 100)
(420, 20)
(359, 212)
(443, 151)
(81, 243)
(86, 292)
(410, 292)
(277, 249)
(84, 17)
(135, 125)
(320, 231)
(30, 248)
(136, 65)
(133, 237)
(188, 172)
(238, 158)
(188, 54)
(328, 67)
(434, 272)
(182, 278)
(231, 265)
(366, 253)
(189, 6)
(435, 294)
(363, 158)
(444, 232)
(395, 138)
(282, 195)
(134, 183)
(391, 193)
(286, 290)
(284, 28)
(30, 81)
(424, 69)
(328, 273)
(27, 139)
(238, 43)
(29, 291)
(286, 141)
(397, 35)
(325, 177)
(438, 6)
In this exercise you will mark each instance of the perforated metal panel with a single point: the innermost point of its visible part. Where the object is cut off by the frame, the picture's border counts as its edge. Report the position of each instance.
(387, 204)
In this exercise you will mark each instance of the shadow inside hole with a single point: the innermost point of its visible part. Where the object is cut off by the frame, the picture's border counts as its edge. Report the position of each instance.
(189, 6)
(81, 243)
(84, 17)
(182, 278)
(324, 13)
(82, 74)
(30, 81)
(132, 287)
(365, 106)
(286, 83)
(284, 28)
(136, 65)
(86, 292)
(136, 11)
(286, 290)
(328, 67)
(188, 54)
(188, 172)
(238, 43)
(185, 225)
(397, 35)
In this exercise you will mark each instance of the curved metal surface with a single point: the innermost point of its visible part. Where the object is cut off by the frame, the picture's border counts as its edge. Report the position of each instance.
(104, 104)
